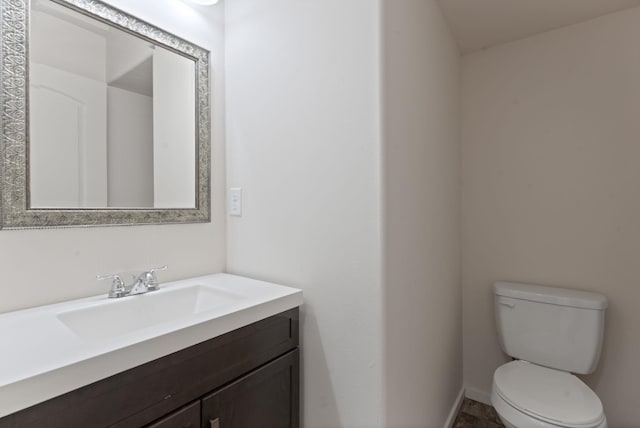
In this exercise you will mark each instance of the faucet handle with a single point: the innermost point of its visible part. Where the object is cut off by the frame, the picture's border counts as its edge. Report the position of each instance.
(151, 279)
(118, 288)
(154, 270)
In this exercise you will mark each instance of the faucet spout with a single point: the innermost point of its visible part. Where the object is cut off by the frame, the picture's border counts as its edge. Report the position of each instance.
(138, 287)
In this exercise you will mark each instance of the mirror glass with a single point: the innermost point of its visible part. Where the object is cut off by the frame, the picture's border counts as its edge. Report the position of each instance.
(105, 119)
(111, 116)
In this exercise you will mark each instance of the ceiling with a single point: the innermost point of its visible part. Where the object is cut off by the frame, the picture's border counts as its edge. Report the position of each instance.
(479, 24)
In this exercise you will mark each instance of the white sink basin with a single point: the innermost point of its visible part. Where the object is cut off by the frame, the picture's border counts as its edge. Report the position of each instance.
(50, 350)
(116, 317)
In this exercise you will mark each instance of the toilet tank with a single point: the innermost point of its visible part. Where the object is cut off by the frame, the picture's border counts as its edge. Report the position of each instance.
(553, 327)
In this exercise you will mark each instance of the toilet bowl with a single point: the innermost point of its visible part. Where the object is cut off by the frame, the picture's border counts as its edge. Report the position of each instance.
(526, 395)
(551, 333)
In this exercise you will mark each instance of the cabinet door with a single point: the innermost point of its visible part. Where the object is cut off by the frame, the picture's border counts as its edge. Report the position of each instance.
(187, 417)
(267, 398)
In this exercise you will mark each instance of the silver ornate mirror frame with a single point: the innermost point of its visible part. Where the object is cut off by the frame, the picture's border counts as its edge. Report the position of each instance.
(14, 202)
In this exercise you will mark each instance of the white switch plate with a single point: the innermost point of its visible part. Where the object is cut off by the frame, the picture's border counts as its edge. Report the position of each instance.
(235, 201)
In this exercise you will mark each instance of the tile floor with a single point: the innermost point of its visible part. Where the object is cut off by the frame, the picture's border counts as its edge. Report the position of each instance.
(476, 415)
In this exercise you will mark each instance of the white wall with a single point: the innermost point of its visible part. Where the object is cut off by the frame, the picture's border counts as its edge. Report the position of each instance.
(129, 148)
(550, 188)
(423, 319)
(44, 266)
(303, 142)
(174, 124)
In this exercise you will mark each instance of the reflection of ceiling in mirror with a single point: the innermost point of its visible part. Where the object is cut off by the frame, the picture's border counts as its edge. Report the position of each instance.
(139, 79)
(104, 53)
(71, 16)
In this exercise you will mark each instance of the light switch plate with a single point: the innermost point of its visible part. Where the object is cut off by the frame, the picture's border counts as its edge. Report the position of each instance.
(235, 201)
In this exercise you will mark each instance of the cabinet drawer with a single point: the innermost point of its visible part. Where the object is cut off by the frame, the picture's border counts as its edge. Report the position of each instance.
(187, 417)
(267, 397)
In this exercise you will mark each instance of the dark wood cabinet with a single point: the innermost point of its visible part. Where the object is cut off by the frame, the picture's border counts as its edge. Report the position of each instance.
(187, 417)
(246, 378)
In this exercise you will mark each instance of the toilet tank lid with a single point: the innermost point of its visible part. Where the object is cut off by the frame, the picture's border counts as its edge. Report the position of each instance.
(552, 295)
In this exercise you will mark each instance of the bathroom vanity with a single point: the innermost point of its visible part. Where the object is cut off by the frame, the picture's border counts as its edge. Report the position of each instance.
(234, 365)
(248, 377)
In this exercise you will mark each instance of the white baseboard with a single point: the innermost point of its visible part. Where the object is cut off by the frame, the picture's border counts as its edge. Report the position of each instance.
(454, 410)
(477, 395)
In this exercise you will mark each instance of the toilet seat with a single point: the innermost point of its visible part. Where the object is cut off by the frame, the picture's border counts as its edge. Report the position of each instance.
(549, 395)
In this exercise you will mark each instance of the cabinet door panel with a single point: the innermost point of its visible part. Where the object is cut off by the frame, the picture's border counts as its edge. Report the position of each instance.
(187, 417)
(266, 398)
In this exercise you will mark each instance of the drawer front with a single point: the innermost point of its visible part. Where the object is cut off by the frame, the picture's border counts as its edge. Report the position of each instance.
(187, 417)
(145, 393)
(267, 397)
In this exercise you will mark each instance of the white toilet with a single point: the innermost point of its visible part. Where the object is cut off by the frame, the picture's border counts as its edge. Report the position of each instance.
(551, 332)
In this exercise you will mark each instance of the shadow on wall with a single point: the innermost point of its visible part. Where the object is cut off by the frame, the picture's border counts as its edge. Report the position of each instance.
(324, 407)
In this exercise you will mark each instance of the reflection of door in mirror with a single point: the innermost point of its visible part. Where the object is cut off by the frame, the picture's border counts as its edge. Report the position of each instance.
(68, 147)
(111, 117)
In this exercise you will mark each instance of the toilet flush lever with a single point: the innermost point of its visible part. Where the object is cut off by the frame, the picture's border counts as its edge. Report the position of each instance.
(507, 304)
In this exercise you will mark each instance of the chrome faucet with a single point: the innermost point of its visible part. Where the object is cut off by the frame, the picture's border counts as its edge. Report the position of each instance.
(143, 283)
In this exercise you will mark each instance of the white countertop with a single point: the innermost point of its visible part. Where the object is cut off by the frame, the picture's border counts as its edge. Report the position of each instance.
(41, 357)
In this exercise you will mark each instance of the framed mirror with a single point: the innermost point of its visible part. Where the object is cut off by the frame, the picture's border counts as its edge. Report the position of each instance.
(105, 119)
